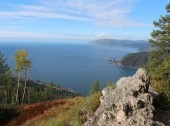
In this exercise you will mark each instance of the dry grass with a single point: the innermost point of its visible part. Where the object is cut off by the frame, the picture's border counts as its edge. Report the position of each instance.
(36, 111)
(72, 112)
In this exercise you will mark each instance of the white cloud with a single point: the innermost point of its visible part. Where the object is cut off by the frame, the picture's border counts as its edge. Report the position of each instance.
(102, 36)
(36, 14)
(22, 34)
(38, 35)
(18, 34)
(101, 13)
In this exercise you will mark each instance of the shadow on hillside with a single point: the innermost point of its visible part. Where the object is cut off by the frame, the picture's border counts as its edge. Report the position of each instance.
(6, 114)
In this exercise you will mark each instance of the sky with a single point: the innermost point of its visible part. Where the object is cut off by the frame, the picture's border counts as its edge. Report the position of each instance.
(78, 20)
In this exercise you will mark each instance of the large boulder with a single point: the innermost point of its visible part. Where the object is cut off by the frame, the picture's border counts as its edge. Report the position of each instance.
(129, 104)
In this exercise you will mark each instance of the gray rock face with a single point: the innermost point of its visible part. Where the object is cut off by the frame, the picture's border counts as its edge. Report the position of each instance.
(129, 104)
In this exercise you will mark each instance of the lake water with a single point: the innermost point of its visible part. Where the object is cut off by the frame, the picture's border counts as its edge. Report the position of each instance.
(74, 66)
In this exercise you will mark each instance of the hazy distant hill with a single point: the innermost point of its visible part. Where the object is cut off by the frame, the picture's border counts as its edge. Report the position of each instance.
(140, 44)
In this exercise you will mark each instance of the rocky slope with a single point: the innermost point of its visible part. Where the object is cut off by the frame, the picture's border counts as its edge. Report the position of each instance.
(129, 104)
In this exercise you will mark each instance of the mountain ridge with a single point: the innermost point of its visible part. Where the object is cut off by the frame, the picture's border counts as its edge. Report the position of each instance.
(140, 44)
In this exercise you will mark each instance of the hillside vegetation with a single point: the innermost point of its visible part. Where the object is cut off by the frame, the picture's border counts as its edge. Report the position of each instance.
(16, 88)
(132, 102)
(58, 112)
(159, 60)
(135, 60)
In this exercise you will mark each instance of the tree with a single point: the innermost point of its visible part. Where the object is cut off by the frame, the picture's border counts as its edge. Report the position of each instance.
(159, 59)
(27, 65)
(49, 88)
(4, 68)
(160, 36)
(8, 81)
(5, 77)
(95, 87)
(22, 65)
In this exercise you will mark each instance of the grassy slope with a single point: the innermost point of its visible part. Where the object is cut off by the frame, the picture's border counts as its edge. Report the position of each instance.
(58, 112)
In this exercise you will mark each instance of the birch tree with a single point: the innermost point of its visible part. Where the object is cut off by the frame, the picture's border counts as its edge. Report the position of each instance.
(22, 65)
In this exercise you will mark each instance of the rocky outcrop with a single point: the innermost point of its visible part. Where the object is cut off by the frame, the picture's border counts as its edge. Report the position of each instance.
(129, 104)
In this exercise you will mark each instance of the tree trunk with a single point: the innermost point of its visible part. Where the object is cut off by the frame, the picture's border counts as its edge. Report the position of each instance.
(7, 95)
(25, 86)
(10, 97)
(18, 85)
(8, 90)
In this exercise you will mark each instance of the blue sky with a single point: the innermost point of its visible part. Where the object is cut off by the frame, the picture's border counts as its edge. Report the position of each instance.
(78, 20)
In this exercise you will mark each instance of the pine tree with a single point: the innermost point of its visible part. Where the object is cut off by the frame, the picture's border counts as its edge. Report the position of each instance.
(3, 67)
(159, 59)
(95, 87)
(5, 78)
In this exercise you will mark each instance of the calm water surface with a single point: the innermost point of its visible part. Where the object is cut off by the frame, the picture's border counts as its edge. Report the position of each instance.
(74, 66)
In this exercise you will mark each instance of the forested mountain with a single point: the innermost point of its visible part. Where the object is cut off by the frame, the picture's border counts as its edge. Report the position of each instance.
(135, 60)
(35, 92)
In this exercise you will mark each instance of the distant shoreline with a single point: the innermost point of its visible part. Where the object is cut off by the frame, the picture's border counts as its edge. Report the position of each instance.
(118, 63)
(131, 60)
